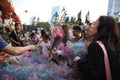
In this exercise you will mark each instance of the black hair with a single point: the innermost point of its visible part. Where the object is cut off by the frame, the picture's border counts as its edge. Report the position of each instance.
(43, 32)
(77, 28)
(16, 24)
(108, 30)
(46, 36)
(32, 34)
(2, 9)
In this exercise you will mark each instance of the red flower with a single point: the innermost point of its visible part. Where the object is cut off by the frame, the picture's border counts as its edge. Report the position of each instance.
(9, 9)
(17, 19)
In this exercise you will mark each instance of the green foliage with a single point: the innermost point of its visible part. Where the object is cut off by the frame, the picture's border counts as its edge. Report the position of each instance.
(87, 18)
(5, 37)
(67, 20)
(79, 20)
(44, 25)
(72, 20)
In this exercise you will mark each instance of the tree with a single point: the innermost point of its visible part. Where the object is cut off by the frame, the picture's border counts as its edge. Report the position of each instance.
(63, 9)
(55, 18)
(44, 25)
(38, 20)
(33, 21)
(63, 16)
(72, 20)
(118, 16)
(67, 20)
(87, 18)
(79, 18)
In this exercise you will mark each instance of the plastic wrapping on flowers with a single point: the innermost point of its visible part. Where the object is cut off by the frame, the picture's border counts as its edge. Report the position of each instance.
(79, 49)
(35, 66)
(74, 49)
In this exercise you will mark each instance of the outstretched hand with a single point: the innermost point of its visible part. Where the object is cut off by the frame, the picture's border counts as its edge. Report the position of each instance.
(33, 47)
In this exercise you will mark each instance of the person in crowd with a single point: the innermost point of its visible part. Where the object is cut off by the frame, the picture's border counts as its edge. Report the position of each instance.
(5, 47)
(88, 34)
(65, 34)
(76, 33)
(34, 38)
(92, 67)
(59, 44)
(3, 34)
(68, 49)
(43, 31)
(3, 28)
(118, 25)
(44, 44)
(1, 20)
(83, 33)
(17, 36)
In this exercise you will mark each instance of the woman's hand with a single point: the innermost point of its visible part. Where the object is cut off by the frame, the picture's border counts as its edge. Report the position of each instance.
(76, 58)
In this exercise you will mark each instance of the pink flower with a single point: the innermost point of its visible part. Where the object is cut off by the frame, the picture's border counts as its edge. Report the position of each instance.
(59, 35)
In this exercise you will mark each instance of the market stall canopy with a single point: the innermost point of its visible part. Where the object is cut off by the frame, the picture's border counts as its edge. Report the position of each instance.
(8, 10)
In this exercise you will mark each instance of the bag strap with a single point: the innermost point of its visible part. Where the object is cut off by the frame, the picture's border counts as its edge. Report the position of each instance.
(106, 60)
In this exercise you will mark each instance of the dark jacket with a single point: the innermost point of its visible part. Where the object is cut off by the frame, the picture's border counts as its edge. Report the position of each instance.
(93, 68)
(16, 37)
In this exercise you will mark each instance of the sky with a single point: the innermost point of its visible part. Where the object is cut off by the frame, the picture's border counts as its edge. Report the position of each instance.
(43, 8)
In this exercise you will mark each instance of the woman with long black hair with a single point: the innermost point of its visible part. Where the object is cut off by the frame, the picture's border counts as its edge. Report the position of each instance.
(105, 29)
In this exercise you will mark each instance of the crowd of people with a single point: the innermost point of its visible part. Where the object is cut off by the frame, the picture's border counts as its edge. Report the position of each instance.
(64, 56)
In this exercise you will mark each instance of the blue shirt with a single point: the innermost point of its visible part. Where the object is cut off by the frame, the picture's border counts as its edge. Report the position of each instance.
(2, 43)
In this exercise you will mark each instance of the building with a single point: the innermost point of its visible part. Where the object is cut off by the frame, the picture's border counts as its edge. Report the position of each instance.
(114, 8)
(55, 14)
(54, 10)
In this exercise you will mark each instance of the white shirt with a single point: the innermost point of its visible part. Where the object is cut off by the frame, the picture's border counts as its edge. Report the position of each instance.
(45, 47)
